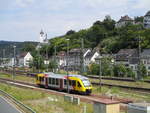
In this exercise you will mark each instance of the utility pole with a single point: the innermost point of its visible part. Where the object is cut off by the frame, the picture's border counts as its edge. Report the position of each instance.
(47, 57)
(55, 59)
(139, 59)
(14, 62)
(99, 59)
(3, 57)
(100, 73)
(67, 65)
(82, 57)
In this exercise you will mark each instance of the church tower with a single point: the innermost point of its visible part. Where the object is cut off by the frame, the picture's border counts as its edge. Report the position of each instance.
(42, 37)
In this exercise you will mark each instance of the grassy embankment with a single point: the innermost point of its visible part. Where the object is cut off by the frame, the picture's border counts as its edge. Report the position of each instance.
(44, 103)
(17, 77)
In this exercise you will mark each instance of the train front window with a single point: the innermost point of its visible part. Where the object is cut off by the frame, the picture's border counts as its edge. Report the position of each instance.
(86, 83)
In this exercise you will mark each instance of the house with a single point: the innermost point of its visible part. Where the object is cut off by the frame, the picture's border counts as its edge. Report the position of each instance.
(75, 58)
(145, 59)
(124, 21)
(24, 59)
(128, 57)
(61, 59)
(146, 21)
(90, 57)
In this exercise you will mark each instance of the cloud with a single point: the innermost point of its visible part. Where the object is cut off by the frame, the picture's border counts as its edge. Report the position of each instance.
(24, 3)
(142, 4)
(25, 18)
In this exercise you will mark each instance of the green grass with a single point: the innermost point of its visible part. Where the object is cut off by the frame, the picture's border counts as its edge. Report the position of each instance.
(122, 93)
(41, 102)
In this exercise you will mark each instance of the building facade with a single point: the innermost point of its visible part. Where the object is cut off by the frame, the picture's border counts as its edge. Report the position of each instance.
(24, 59)
(146, 22)
(124, 21)
(145, 59)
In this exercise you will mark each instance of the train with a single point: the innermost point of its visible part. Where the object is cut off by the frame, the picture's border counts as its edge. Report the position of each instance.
(76, 83)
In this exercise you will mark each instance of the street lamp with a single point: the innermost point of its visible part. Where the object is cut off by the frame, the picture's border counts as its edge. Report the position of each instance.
(112, 65)
(82, 57)
(47, 62)
(14, 64)
(67, 65)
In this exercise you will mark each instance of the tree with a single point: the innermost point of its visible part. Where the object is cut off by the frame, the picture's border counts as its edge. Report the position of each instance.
(70, 32)
(53, 65)
(143, 70)
(94, 69)
(120, 70)
(38, 63)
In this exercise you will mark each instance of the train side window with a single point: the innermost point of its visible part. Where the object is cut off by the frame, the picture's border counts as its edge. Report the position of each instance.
(73, 83)
(40, 79)
(65, 82)
(53, 81)
(50, 81)
(70, 82)
(79, 85)
(37, 78)
(57, 82)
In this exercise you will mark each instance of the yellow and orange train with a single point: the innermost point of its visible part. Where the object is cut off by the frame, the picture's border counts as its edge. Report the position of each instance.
(77, 83)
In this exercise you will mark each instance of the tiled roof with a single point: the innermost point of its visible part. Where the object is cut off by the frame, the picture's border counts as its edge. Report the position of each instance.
(125, 54)
(90, 54)
(145, 52)
(148, 13)
(78, 50)
(22, 55)
(125, 18)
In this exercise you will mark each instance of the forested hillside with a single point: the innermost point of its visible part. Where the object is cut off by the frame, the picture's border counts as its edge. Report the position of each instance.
(6, 47)
(104, 35)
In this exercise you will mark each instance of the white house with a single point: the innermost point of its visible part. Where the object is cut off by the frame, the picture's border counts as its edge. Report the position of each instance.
(24, 59)
(90, 57)
(146, 21)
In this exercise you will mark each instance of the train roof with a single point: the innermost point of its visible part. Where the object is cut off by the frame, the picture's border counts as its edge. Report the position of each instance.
(63, 76)
(78, 76)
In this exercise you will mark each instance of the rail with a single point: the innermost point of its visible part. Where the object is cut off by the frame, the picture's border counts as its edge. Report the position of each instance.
(22, 107)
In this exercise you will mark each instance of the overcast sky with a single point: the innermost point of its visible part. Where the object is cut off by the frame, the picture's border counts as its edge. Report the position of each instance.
(22, 20)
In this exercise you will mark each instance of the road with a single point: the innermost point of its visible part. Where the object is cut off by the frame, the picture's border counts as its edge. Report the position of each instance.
(6, 107)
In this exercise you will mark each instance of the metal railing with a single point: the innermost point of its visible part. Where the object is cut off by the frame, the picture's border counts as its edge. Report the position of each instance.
(20, 105)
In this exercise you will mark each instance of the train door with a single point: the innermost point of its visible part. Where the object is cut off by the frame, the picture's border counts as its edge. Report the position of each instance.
(46, 82)
(41, 79)
(79, 86)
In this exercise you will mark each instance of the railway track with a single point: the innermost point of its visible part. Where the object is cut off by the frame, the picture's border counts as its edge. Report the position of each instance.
(144, 90)
(115, 78)
(90, 98)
